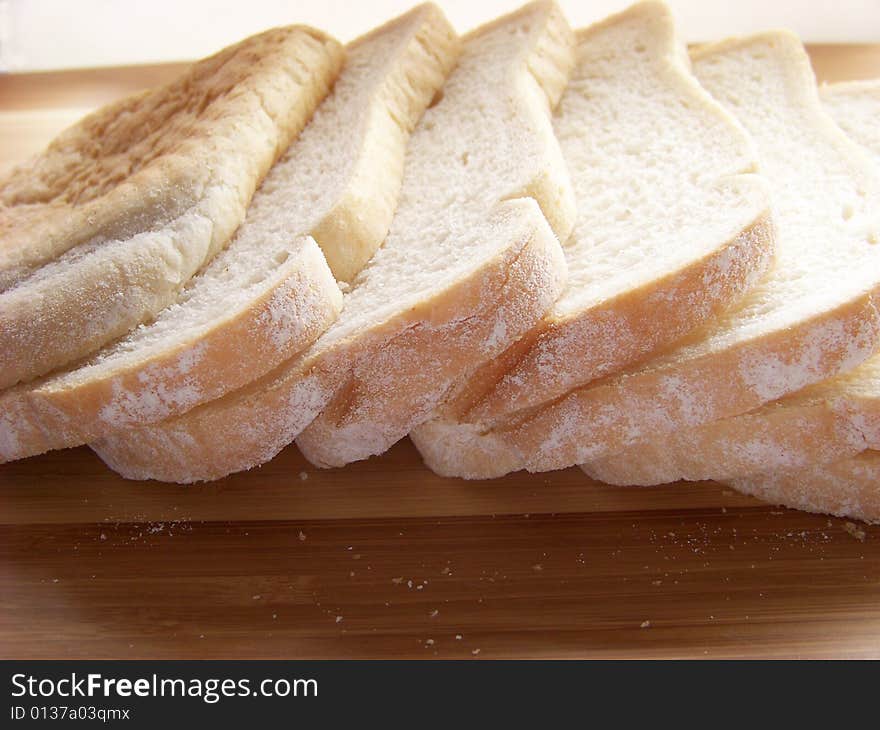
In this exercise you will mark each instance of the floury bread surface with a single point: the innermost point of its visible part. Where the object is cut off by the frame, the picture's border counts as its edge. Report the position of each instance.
(825, 422)
(472, 261)
(672, 228)
(270, 293)
(103, 229)
(846, 488)
(812, 317)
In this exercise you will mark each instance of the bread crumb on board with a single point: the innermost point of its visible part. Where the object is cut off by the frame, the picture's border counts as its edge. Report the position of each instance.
(853, 529)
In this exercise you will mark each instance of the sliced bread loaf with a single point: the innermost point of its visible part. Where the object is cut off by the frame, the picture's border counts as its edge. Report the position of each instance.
(270, 293)
(812, 317)
(824, 422)
(102, 230)
(469, 265)
(846, 488)
(671, 229)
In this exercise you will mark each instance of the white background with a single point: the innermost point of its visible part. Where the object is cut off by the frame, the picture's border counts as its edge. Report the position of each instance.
(47, 34)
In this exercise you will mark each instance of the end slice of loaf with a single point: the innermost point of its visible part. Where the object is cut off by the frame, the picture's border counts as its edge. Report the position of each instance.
(825, 422)
(672, 228)
(470, 264)
(270, 293)
(812, 317)
(103, 229)
(846, 488)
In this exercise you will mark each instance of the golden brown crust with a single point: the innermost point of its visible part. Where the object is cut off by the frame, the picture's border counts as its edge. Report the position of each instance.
(101, 230)
(826, 422)
(301, 301)
(296, 302)
(355, 368)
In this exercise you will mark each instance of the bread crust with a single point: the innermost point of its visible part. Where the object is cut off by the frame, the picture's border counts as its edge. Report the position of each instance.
(828, 422)
(295, 303)
(804, 437)
(653, 316)
(845, 488)
(605, 418)
(460, 449)
(389, 391)
(102, 230)
(602, 419)
(467, 319)
(350, 234)
(248, 427)
(774, 437)
(355, 427)
(300, 300)
(688, 388)
(457, 442)
(565, 352)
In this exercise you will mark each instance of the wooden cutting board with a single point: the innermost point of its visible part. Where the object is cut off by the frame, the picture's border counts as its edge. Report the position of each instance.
(383, 559)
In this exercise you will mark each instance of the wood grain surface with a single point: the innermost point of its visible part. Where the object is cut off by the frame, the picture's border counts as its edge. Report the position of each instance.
(383, 559)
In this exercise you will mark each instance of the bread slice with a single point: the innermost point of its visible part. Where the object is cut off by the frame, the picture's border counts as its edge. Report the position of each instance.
(812, 317)
(846, 488)
(854, 106)
(671, 230)
(822, 423)
(469, 265)
(825, 422)
(102, 230)
(270, 293)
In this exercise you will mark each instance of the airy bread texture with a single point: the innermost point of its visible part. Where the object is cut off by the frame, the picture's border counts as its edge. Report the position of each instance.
(671, 230)
(102, 230)
(846, 488)
(812, 317)
(469, 265)
(854, 106)
(270, 293)
(825, 422)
